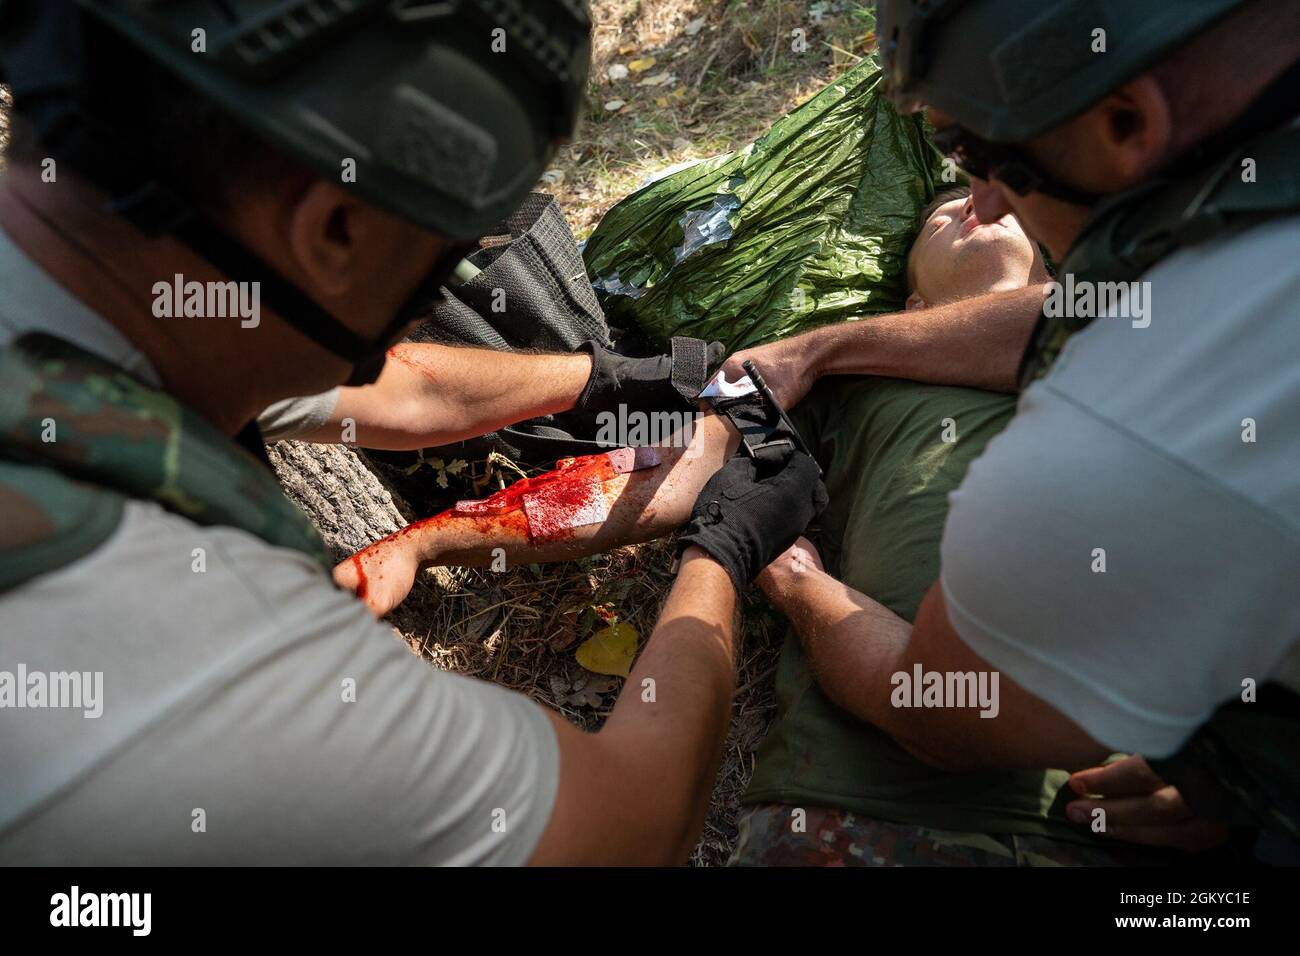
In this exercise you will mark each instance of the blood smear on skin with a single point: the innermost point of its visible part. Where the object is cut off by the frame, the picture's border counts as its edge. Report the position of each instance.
(562, 499)
(556, 509)
(415, 366)
(362, 583)
(571, 471)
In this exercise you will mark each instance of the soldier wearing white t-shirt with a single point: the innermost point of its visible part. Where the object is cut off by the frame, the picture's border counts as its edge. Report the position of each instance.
(1124, 555)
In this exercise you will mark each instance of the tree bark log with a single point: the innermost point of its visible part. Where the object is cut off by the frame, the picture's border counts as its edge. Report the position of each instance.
(352, 507)
(344, 499)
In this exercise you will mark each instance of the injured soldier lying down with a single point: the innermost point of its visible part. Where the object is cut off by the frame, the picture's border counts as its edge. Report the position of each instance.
(953, 257)
(892, 451)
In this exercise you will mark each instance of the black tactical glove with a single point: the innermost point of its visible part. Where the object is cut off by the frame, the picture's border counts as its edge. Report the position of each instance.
(661, 383)
(749, 512)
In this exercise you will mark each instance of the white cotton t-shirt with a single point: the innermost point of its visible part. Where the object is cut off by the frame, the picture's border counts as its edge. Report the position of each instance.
(249, 712)
(1169, 456)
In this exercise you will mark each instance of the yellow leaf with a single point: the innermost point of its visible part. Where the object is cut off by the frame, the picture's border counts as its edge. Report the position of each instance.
(641, 65)
(610, 650)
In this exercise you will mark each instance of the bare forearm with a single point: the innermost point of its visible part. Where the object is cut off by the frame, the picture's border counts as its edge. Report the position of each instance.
(675, 710)
(642, 505)
(637, 791)
(863, 654)
(976, 342)
(854, 644)
(437, 394)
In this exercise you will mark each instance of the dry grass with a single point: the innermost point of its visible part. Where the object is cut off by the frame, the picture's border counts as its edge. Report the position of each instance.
(734, 72)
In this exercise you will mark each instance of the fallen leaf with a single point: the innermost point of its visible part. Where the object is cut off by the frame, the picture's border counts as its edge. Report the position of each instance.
(609, 651)
(626, 48)
(659, 79)
(641, 65)
(614, 106)
(591, 692)
(568, 630)
(695, 26)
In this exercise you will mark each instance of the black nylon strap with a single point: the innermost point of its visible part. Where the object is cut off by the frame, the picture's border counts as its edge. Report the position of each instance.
(763, 435)
(690, 371)
(285, 300)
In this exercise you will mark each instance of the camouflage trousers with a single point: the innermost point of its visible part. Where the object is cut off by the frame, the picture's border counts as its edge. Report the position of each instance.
(774, 835)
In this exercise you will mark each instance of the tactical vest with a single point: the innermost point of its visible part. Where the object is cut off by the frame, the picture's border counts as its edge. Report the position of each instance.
(1243, 765)
(80, 436)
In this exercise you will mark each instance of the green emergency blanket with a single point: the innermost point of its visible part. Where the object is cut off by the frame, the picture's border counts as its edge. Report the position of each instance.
(807, 225)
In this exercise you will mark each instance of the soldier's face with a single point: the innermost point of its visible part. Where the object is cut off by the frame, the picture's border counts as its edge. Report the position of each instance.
(956, 255)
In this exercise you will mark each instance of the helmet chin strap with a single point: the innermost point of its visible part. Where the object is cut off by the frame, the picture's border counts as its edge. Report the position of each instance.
(155, 210)
(366, 356)
(47, 70)
(1276, 103)
(285, 299)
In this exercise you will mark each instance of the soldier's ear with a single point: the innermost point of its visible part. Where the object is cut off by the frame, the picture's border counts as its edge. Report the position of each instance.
(1129, 133)
(325, 226)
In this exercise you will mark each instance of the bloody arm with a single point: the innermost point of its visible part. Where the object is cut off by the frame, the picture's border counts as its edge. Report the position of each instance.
(638, 506)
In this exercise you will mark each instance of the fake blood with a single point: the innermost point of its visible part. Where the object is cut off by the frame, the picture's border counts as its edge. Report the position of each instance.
(559, 498)
(558, 508)
(418, 367)
(572, 473)
(362, 582)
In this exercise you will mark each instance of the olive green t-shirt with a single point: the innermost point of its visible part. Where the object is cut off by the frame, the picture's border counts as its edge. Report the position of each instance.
(892, 451)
